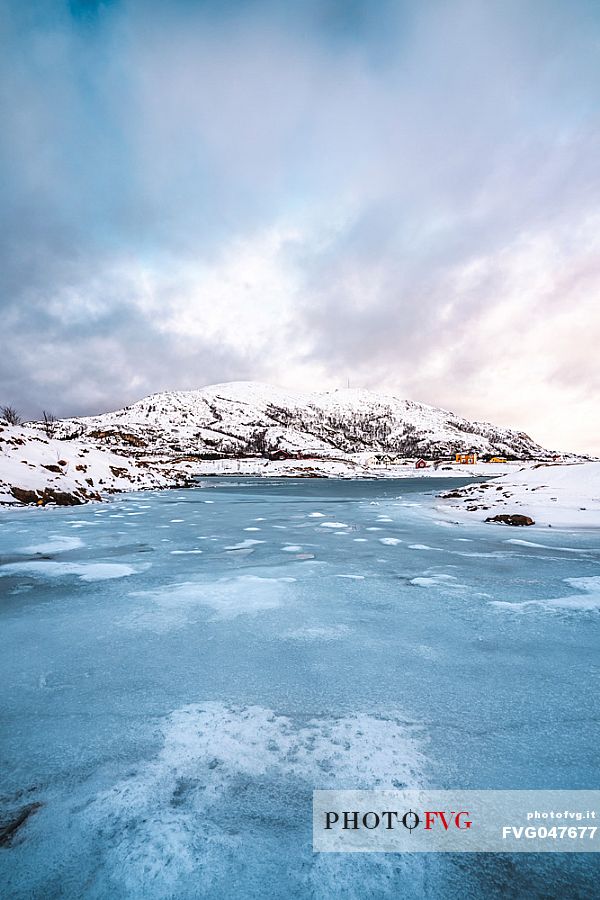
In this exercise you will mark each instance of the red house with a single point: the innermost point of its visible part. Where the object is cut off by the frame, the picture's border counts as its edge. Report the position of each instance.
(421, 464)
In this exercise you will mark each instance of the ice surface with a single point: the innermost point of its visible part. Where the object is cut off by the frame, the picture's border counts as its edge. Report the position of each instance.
(173, 711)
(318, 633)
(588, 599)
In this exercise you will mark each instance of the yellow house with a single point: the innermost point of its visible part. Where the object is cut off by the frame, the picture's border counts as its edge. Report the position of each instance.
(468, 459)
(499, 459)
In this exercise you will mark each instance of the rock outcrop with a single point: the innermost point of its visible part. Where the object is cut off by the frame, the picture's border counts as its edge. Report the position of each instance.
(511, 519)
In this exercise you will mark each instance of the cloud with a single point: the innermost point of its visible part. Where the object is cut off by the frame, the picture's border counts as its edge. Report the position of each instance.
(404, 194)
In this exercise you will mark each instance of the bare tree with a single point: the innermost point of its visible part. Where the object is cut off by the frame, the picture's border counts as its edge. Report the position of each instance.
(260, 441)
(50, 423)
(10, 415)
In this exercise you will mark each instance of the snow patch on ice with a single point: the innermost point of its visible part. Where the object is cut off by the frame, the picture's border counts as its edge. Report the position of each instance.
(165, 827)
(184, 552)
(525, 543)
(433, 579)
(84, 571)
(171, 606)
(244, 545)
(56, 544)
(587, 600)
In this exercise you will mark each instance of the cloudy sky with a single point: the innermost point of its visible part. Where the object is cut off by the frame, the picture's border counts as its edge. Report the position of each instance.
(402, 193)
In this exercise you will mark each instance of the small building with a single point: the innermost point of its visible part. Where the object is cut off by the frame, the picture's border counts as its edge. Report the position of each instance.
(467, 459)
(497, 459)
(421, 464)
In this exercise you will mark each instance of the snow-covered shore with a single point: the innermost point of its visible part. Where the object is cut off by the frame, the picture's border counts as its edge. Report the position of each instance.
(560, 495)
(247, 429)
(38, 469)
(358, 465)
(35, 468)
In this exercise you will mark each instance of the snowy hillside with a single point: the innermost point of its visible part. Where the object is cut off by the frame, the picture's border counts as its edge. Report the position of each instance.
(36, 469)
(249, 418)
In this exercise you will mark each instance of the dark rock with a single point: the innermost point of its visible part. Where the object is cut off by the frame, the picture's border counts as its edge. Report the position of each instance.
(61, 498)
(119, 472)
(9, 827)
(52, 468)
(126, 438)
(49, 495)
(514, 519)
(24, 496)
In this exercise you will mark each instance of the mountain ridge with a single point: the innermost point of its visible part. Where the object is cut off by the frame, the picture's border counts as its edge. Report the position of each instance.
(252, 418)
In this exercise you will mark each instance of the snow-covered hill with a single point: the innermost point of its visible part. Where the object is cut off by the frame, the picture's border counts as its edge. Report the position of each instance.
(249, 418)
(37, 469)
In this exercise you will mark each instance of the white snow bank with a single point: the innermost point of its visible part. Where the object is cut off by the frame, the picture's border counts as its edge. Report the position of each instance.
(566, 495)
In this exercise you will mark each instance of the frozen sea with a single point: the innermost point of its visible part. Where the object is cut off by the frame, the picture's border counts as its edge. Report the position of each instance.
(180, 669)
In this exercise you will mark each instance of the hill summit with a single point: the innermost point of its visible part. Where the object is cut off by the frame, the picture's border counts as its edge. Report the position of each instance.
(249, 418)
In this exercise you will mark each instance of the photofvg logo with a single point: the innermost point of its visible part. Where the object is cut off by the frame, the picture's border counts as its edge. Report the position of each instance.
(390, 819)
(454, 821)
